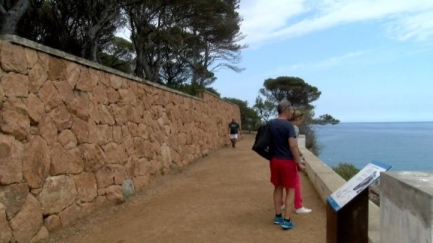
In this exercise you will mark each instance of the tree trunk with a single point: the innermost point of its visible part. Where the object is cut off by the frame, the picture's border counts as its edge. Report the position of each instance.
(11, 18)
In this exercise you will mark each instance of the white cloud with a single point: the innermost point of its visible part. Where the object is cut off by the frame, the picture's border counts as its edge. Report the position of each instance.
(280, 19)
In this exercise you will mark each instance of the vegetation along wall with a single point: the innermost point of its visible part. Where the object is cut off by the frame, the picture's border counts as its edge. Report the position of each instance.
(75, 135)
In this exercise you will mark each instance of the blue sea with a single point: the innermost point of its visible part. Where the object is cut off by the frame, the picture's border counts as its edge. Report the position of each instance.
(406, 146)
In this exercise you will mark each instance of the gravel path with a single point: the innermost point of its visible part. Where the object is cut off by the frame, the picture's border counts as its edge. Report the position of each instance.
(225, 197)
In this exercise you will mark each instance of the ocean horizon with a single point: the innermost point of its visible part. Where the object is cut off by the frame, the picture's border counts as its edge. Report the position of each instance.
(406, 146)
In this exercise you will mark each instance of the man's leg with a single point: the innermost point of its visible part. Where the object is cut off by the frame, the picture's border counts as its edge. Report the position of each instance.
(290, 197)
(278, 191)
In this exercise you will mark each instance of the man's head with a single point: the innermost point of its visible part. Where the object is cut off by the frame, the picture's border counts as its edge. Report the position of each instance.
(285, 109)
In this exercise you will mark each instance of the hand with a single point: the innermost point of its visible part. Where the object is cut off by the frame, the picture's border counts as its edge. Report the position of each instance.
(301, 166)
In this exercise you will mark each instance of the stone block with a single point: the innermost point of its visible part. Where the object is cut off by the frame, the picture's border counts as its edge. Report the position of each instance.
(36, 108)
(128, 188)
(58, 193)
(14, 119)
(36, 162)
(115, 154)
(56, 69)
(93, 157)
(79, 107)
(115, 194)
(406, 204)
(28, 221)
(65, 161)
(11, 152)
(86, 186)
(67, 139)
(49, 96)
(52, 222)
(61, 118)
(15, 85)
(13, 198)
(70, 214)
(5, 231)
(110, 175)
(48, 130)
(41, 236)
(13, 58)
(37, 77)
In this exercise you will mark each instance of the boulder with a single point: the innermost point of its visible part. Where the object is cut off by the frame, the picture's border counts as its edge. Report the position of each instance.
(28, 221)
(13, 198)
(36, 162)
(11, 152)
(58, 193)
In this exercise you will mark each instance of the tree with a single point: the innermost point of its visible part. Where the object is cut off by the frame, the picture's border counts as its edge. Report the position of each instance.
(325, 119)
(264, 108)
(11, 12)
(294, 89)
(346, 170)
(301, 95)
(118, 54)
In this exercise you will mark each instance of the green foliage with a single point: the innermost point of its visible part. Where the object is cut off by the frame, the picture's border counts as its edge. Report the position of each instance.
(264, 108)
(325, 119)
(294, 89)
(346, 170)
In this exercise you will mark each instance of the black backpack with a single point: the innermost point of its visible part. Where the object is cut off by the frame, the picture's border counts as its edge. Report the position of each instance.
(262, 144)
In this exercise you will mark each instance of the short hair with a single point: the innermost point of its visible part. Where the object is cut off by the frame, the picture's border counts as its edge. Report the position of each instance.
(297, 114)
(283, 105)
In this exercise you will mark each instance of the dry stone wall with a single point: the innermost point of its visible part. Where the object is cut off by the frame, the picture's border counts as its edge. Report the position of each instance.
(74, 137)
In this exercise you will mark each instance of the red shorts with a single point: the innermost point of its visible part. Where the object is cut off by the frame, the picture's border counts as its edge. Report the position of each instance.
(284, 172)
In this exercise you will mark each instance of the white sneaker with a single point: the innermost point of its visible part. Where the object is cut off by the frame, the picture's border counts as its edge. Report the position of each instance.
(303, 210)
(283, 207)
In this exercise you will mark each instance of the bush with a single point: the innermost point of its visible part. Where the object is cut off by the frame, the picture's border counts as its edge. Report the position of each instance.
(346, 170)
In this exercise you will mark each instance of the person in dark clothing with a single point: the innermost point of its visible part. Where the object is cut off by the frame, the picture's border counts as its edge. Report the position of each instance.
(234, 131)
(285, 163)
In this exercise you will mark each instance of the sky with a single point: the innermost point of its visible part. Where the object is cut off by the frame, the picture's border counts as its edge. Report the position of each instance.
(371, 59)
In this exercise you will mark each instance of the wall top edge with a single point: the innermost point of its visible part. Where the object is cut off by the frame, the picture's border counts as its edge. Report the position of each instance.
(54, 52)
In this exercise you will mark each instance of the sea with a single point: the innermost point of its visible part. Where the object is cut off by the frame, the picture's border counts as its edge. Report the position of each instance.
(406, 146)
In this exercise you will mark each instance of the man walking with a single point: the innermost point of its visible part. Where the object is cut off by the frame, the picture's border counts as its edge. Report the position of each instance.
(234, 130)
(285, 163)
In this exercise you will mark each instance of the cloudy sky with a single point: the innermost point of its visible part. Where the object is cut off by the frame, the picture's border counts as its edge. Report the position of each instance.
(372, 59)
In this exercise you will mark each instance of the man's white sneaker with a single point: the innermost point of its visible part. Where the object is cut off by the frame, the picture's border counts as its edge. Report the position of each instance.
(303, 210)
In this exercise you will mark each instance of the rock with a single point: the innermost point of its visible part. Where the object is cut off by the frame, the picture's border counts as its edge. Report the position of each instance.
(48, 130)
(116, 82)
(67, 139)
(119, 112)
(86, 82)
(80, 108)
(166, 155)
(140, 182)
(56, 69)
(117, 134)
(15, 85)
(13, 58)
(37, 77)
(36, 192)
(58, 193)
(36, 108)
(87, 208)
(32, 57)
(93, 157)
(28, 221)
(110, 175)
(61, 118)
(5, 231)
(128, 97)
(36, 162)
(81, 130)
(142, 167)
(105, 115)
(86, 186)
(14, 119)
(70, 214)
(142, 148)
(73, 71)
(65, 161)
(11, 152)
(13, 198)
(50, 96)
(41, 235)
(100, 94)
(52, 222)
(115, 194)
(115, 154)
(128, 188)
(112, 95)
(65, 91)
(104, 134)
(2, 96)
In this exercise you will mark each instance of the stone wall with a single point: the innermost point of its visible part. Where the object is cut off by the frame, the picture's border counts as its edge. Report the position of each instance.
(75, 135)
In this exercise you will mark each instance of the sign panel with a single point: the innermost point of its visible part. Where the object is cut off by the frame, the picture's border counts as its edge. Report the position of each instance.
(357, 184)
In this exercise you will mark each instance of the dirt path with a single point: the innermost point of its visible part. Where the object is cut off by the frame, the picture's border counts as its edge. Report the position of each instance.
(225, 197)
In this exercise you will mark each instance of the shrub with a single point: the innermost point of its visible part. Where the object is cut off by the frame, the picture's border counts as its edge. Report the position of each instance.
(346, 170)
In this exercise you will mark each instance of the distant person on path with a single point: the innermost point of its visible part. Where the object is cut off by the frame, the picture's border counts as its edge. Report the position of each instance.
(285, 163)
(234, 130)
(296, 120)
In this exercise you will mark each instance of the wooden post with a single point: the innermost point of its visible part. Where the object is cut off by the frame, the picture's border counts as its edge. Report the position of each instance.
(350, 223)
